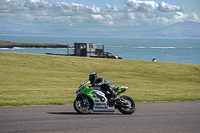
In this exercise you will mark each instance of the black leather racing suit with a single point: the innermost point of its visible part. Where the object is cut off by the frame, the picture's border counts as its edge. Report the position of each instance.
(106, 86)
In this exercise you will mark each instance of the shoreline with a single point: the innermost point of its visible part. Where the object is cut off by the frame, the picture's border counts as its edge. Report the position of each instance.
(9, 44)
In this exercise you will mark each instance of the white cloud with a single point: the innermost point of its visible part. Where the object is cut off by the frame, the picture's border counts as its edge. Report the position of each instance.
(140, 6)
(109, 8)
(97, 17)
(180, 17)
(194, 16)
(169, 8)
(103, 19)
(133, 13)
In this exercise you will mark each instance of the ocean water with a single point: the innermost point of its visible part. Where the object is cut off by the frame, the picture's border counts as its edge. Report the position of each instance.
(164, 50)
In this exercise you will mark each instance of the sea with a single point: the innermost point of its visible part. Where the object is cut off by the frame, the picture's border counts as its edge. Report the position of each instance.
(164, 50)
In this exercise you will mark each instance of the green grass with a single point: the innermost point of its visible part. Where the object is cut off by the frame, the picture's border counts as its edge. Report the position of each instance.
(33, 79)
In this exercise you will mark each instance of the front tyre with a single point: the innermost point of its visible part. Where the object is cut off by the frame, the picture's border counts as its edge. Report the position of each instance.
(81, 106)
(128, 105)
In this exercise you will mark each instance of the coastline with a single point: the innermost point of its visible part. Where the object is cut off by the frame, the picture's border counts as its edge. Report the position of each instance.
(9, 44)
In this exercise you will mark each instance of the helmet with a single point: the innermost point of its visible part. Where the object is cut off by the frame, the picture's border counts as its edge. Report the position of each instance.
(93, 77)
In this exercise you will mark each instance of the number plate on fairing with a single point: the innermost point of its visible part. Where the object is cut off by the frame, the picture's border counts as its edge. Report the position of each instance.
(102, 106)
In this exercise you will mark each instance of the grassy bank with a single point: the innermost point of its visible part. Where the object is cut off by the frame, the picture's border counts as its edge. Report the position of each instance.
(33, 79)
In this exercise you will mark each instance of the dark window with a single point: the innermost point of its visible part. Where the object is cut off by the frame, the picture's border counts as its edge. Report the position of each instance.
(91, 46)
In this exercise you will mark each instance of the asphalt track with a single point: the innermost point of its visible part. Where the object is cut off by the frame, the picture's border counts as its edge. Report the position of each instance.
(152, 117)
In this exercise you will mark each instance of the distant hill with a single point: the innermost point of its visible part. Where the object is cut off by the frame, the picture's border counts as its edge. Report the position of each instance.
(17, 29)
(186, 29)
(178, 30)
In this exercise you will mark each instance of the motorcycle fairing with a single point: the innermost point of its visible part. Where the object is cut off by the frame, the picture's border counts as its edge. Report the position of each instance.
(102, 106)
(121, 89)
(98, 104)
(89, 92)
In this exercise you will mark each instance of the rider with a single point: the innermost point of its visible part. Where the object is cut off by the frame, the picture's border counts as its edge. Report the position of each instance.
(104, 84)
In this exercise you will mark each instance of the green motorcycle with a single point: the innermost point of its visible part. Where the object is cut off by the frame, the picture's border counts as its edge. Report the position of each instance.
(94, 99)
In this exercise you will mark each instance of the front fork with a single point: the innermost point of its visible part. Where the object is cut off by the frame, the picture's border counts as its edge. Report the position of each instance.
(84, 99)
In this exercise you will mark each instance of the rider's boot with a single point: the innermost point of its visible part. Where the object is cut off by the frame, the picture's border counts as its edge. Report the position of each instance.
(115, 97)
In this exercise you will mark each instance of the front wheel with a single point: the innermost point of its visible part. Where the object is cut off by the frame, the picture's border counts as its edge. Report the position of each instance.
(82, 106)
(128, 105)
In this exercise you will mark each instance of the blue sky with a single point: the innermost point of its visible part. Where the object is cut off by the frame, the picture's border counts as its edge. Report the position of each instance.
(99, 15)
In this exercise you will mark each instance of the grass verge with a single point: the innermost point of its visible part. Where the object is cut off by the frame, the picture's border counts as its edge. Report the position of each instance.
(33, 79)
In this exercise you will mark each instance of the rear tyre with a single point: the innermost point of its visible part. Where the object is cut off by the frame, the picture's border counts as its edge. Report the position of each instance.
(128, 107)
(82, 107)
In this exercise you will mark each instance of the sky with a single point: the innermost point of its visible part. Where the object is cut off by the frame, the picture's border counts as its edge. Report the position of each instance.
(101, 15)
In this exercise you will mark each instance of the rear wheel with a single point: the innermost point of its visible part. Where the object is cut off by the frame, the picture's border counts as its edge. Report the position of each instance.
(128, 106)
(82, 106)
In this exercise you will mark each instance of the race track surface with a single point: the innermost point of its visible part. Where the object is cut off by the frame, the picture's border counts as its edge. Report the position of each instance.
(152, 117)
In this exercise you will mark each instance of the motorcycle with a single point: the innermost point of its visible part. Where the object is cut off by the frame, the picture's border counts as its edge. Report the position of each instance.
(94, 99)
